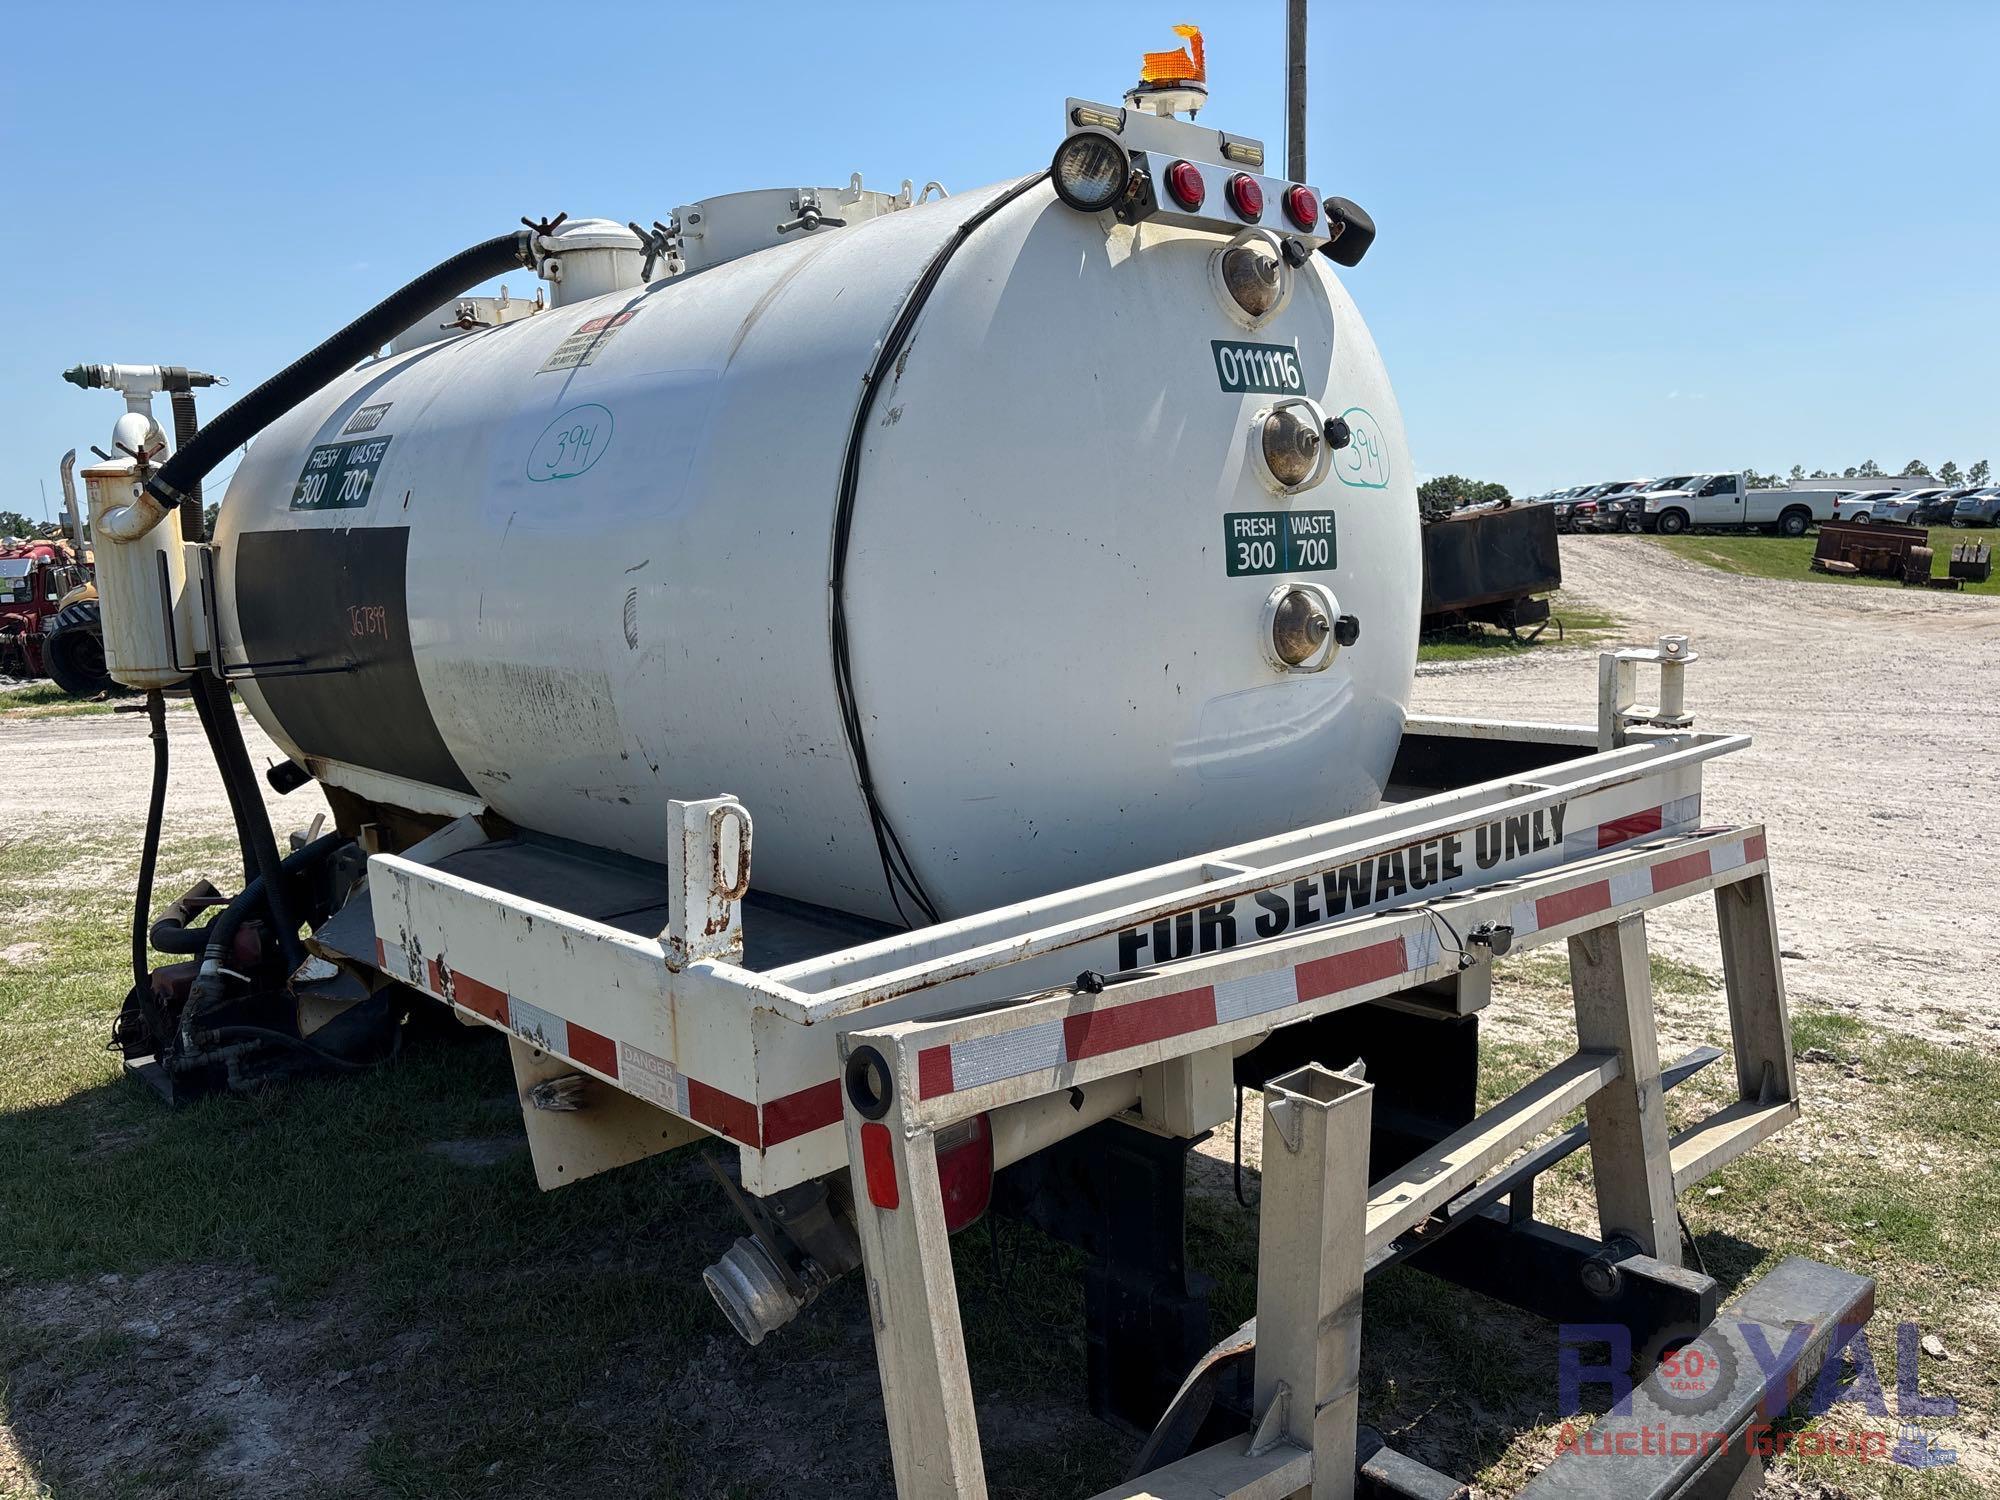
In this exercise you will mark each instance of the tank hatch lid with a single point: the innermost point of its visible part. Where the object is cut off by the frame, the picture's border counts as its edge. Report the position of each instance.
(463, 314)
(724, 228)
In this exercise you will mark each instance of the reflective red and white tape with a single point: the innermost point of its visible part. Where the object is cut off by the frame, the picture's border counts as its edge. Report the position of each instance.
(1678, 816)
(1048, 1044)
(955, 1066)
(632, 1068)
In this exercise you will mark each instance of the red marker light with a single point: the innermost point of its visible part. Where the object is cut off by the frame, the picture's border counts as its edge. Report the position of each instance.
(1302, 207)
(878, 1166)
(965, 1171)
(1184, 182)
(1246, 196)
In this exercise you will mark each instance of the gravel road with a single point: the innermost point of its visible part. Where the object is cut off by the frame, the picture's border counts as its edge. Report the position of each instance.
(1875, 766)
(93, 773)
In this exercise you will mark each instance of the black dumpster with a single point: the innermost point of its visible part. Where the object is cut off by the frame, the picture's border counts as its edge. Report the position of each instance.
(1487, 565)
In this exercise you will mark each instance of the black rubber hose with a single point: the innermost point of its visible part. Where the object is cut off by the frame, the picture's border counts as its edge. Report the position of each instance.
(174, 930)
(218, 714)
(300, 1044)
(253, 827)
(206, 709)
(221, 931)
(177, 937)
(312, 371)
(149, 852)
(253, 823)
(898, 873)
(187, 427)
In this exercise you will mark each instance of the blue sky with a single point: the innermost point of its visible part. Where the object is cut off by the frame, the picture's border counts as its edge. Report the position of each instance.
(1615, 238)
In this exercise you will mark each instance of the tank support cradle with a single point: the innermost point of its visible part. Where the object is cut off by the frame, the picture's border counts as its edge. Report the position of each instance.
(1324, 1224)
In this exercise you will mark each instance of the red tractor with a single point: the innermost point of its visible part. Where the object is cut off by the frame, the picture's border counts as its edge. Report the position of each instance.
(49, 617)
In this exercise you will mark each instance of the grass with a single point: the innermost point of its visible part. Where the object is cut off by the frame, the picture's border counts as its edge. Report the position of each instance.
(578, 1317)
(44, 700)
(1581, 626)
(1892, 1171)
(1790, 557)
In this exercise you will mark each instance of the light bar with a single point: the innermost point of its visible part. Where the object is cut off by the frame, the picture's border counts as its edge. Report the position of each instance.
(1228, 199)
(1244, 152)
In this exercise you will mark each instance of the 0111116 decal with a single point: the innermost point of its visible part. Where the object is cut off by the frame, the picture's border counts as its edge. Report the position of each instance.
(367, 419)
(1271, 368)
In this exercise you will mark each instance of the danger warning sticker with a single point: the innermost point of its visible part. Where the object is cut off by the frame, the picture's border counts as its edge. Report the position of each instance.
(584, 345)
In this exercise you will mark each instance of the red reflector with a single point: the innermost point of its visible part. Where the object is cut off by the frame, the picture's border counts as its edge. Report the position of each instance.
(965, 1171)
(1184, 182)
(1302, 207)
(878, 1165)
(1246, 196)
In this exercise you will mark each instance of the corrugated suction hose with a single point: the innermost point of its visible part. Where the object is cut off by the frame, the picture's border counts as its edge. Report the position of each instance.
(313, 371)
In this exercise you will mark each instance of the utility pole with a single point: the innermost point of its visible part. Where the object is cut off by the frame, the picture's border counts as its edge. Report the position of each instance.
(1295, 90)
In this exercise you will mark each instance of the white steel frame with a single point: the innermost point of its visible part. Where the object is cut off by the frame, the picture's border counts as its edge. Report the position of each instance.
(859, 1058)
(678, 1021)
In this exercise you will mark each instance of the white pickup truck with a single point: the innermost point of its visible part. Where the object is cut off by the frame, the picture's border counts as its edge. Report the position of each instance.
(1727, 501)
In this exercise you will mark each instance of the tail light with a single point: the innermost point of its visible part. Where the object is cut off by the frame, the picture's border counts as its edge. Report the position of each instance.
(1246, 197)
(965, 1171)
(1185, 184)
(1302, 207)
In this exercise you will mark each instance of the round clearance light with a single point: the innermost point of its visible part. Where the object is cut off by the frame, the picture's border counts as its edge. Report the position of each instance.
(1246, 196)
(1291, 443)
(1302, 207)
(1304, 628)
(1184, 182)
(1253, 277)
(1299, 628)
(1089, 171)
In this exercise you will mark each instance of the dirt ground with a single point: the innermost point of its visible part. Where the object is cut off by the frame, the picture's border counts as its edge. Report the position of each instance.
(1875, 720)
(97, 770)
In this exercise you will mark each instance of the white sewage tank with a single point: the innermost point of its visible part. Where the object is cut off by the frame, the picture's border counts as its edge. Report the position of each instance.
(570, 567)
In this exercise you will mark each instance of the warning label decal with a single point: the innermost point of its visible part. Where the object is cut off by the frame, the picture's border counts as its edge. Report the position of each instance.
(584, 345)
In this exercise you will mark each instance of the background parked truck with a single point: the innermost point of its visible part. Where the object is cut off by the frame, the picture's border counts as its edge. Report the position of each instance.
(1727, 501)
